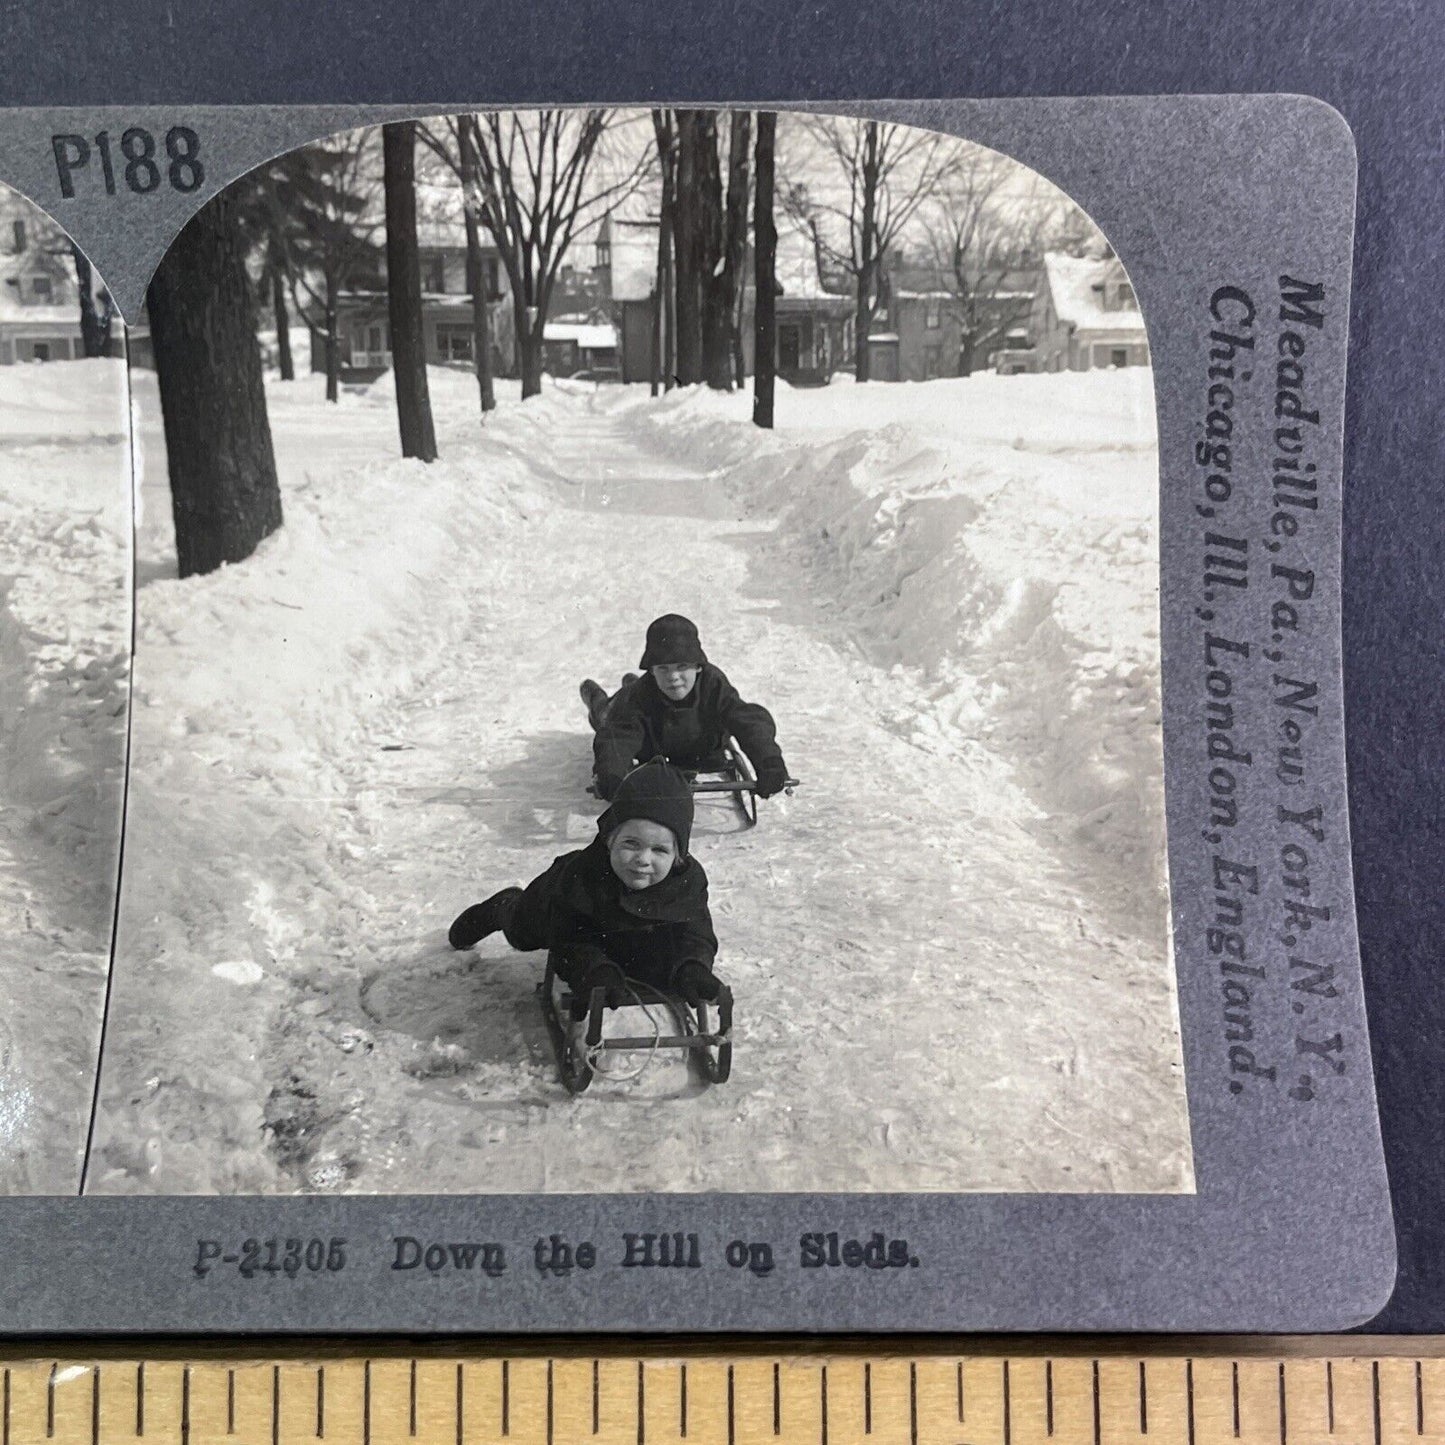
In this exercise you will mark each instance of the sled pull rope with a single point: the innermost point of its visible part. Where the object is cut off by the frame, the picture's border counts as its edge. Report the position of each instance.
(595, 1051)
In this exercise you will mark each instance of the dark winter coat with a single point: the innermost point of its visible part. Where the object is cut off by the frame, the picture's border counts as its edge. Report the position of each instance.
(642, 723)
(586, 915)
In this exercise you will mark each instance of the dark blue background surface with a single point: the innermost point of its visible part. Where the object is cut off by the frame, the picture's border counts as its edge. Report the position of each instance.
(1381, 64)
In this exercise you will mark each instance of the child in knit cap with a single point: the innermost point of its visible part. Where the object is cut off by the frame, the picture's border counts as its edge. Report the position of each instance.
(683, 709)
(632, 904)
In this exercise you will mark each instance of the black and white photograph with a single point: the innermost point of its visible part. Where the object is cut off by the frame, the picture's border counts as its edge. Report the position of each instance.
(65, 613)
(647, 674)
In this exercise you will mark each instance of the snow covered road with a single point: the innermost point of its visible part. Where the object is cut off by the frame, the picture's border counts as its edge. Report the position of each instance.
(934, 993)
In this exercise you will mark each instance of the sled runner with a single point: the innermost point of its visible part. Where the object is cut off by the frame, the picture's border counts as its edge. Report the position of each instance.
(734, 774)
(709, 1049)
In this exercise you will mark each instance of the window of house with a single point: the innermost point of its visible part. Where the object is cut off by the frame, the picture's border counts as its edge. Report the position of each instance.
(40, 350)
(934, 317)
(373, 339)
(454, 343)
(1125, 297)
(41, 288)
(434, 274)
(932, 362)
(1017, 341)
(1119, 356)
(491, 274)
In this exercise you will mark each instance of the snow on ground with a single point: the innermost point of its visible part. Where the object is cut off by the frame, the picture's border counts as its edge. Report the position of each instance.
(64, 664)
(949, 947)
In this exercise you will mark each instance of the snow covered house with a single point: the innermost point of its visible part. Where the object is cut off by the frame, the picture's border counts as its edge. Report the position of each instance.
(1086, 316)
(39, 296)
(364, 330)
(924, 328)
(573, 346)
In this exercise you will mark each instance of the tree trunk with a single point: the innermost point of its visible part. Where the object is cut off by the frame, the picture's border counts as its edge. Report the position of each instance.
(712, 259)
(666, 281)
(665, 320)
(725, 273)
(737, 264)
(867, 254)
(283, 326)
(476, 274)
(333, 342)
(529, 346)
(224, 493)
(688, 230)
(94, 327)
(765, 328)
(403, 292)
(654, 377)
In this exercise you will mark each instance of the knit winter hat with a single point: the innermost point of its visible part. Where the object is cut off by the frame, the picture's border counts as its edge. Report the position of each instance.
(672, 639)
(658, 792)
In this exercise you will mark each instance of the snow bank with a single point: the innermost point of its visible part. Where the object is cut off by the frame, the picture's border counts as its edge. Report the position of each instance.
(64, 406)
(994, 539)
(64, 669)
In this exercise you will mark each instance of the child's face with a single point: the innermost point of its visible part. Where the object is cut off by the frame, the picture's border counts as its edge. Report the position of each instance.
(641, 852)
(675, 679)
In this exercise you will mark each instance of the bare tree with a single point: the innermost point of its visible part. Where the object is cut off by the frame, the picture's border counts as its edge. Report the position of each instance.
(224, 493)
(877, 176)
(325, 194)
(263, 224)
(665, 321)
(697, 233)
(403, 293)
(537, 183)
(453, 145)
(725, 357)
(765, 328)
(982, 233)
(710, 231)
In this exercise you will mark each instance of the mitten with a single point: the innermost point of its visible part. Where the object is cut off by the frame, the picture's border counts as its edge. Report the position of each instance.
(695, 982)
(604, 975)
(772, 777)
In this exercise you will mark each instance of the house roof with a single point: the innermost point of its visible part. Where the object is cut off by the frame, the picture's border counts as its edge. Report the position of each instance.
(586, 335)
(1076, 283)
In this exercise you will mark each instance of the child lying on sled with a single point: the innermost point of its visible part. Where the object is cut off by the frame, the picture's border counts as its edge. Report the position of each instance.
(683, 709)
(630, 905)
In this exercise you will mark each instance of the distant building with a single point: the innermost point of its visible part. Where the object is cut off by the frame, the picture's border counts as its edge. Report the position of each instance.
(814, 313)
(364, 330)
(1085, 317)
(39, 295)
(814, 321)
(924, 329)
(572, 346)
